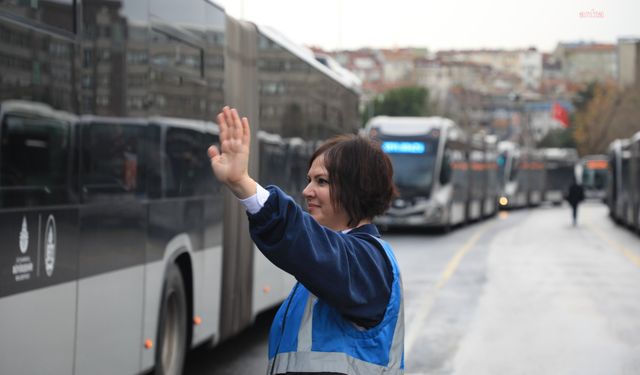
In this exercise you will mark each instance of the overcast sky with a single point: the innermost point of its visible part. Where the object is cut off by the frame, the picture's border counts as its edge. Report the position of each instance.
(437, 25)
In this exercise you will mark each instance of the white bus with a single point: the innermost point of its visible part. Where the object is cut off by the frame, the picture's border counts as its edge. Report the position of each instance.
(444, 179)
(119, 249)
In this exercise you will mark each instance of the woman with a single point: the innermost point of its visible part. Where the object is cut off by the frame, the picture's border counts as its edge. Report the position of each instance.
(345, 314)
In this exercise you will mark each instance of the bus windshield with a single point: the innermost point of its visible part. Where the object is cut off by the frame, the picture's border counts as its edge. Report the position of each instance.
(560, 177)
(414, 163)
(413, 175)
(594, 178)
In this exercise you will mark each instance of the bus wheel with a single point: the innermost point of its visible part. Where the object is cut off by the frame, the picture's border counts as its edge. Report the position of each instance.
(446, 228)
(172, 325)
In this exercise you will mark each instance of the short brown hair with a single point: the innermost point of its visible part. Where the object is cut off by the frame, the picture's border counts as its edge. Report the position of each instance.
(360, 176)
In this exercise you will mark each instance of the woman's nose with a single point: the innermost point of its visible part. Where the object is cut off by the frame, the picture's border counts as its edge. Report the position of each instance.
(308, 191)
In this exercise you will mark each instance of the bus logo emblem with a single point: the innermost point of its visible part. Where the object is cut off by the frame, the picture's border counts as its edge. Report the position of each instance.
(50, 245)
(24, 236)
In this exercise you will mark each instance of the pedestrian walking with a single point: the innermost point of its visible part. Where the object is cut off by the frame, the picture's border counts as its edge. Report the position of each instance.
(574, 197)
(345, 314)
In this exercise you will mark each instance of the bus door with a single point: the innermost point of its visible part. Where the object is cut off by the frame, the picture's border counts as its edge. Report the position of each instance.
(492, 188)
(624, 198)
(478, 183)
(112, 246)
(634, 181)
(38, 248)
(455, 154)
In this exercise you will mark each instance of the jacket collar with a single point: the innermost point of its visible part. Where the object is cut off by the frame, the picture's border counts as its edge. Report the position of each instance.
(366, 228)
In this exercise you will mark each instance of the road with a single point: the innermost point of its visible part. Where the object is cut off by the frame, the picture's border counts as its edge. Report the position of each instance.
(522, 293)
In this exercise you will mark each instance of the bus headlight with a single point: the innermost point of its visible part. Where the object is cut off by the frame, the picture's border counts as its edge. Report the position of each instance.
(438, 211)
(503, 201)
(434, 210)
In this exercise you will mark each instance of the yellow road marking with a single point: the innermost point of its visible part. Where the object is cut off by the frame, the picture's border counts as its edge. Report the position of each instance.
(414, 329)
(634, 258)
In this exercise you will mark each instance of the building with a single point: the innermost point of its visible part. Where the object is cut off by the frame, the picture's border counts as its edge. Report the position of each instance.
(527, 64)
(398, 64)
(440, 76)
(628, 62)
(366, 64)
(587, 62)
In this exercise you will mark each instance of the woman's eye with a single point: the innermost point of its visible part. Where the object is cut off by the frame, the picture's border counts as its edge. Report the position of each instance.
(322, 181)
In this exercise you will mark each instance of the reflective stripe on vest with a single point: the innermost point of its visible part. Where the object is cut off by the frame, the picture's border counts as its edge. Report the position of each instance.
(310, 356)
(339, 363)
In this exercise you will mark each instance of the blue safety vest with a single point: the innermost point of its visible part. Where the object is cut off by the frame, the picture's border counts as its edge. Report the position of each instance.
(308, 335)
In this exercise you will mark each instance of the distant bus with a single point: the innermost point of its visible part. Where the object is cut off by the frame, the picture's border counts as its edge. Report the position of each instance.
(513, 193)
(483, 177)
(623, 183)
(430, 170)
(492, 180)
(634, 182)
(443, 180)
(619, 193)
(532, 175)
(521, 175)
(593, 170)
(560, 166)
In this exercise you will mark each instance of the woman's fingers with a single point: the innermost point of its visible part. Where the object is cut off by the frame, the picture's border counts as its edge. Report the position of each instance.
(234, 131)
(224, 129)
(237, 126)
(212, 151)
(246, 131)
(229, 160)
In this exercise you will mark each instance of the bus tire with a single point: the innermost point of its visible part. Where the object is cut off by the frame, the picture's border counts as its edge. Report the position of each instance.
(172, 325)
(446, 228)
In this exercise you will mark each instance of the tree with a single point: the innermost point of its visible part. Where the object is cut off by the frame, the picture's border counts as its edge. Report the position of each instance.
(404, 101)
(562, 138)
(604, 114)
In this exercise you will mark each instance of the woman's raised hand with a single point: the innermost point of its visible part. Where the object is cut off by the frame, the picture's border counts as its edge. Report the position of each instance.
(230, 164)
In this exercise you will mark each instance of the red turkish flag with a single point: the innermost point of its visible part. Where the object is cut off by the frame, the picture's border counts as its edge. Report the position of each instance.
(560, 114)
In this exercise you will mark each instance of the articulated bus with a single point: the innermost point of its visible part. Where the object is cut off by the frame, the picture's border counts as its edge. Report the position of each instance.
(532, 175)
(634, 182)
(521, 175)
(593, 172)
(560, 166)
(483, 176)
(618, 193)
(439, 184)
(120, 250)
(512, 192)
(623, 184)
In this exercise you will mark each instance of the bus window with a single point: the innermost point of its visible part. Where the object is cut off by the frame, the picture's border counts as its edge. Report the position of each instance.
(112, 159)
(501, 162)
(169, 52)
(57, 13)
(445, 170)
(34, 161)
(184, 161)
(515, 168)
(207, 183)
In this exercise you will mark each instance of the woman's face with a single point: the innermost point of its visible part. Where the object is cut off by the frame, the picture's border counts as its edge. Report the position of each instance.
(319, 199)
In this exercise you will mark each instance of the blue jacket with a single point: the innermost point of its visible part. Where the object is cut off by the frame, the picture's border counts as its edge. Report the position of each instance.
(343, 279)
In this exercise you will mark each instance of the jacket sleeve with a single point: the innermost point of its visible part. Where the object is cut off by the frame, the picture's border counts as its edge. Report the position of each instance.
(348, 271)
